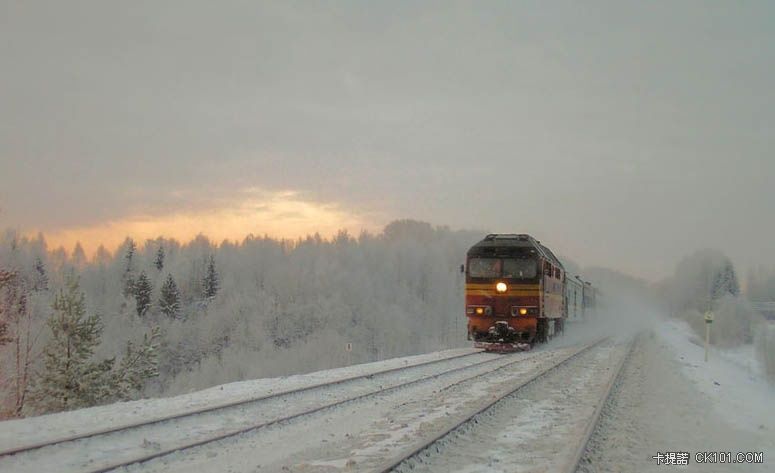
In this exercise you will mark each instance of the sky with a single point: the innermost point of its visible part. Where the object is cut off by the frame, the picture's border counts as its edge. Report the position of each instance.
(621, 134)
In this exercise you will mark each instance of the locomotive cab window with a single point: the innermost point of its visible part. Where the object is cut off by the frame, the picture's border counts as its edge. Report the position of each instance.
(520, 268)
(484, 267)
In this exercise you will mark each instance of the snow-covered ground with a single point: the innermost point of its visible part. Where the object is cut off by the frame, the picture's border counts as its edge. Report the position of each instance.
(732, 379)
(670, 400)
(372, 426)
(363, 435)
(538, 429)
(53, 426)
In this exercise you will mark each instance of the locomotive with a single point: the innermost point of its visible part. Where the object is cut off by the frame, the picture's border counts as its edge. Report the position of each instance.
(517, 293)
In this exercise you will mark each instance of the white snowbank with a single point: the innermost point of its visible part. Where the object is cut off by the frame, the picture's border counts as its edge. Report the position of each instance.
(37, 429)
(732, 379)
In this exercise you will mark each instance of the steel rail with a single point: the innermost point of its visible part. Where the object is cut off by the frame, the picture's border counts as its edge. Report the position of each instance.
(392, 464)
(261, 425)
(589, 431)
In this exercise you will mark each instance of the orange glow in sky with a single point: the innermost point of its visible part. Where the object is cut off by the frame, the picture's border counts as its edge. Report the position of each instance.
(279, 215)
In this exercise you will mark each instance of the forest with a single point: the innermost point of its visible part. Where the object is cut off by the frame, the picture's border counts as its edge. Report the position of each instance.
(162, 317)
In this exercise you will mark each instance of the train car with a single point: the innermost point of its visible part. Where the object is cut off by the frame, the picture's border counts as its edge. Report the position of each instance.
(574, 299)
(590, 297)
(515, 292)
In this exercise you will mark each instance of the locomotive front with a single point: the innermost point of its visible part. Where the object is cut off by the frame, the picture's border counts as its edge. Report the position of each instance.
(503, 289)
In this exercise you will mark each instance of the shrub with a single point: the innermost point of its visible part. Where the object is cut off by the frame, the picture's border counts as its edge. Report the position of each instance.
(765, 349)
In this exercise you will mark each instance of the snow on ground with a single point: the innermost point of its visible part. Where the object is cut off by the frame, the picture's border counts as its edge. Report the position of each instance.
(37, 429)
(667, 400)
(536, 430)
(361, 435)
(732, 379)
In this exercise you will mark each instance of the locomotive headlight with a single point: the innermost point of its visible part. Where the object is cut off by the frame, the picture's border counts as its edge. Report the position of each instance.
(479, 310)
(523, 311)
(501, 287)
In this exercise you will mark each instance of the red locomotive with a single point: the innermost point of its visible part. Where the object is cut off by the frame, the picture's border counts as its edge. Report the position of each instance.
(516, 293)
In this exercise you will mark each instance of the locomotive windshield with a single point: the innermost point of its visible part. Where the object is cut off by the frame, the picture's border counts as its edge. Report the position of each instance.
(520, 268)
(511, 268)
(484, 267)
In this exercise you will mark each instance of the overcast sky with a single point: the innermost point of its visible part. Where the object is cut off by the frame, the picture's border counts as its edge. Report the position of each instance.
(622, 134)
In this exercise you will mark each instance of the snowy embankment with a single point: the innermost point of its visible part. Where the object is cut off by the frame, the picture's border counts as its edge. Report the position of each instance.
(732, 379)
(362, 423)
(14, 433)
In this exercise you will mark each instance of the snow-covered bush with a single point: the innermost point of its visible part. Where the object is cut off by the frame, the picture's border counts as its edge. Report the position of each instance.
(700, 280)
(734, 322)
(765, 349)
(733, 325)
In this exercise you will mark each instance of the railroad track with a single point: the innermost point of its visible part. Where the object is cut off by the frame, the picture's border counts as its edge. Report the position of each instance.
(142, 423)
(498, 362)
(589, 431)
(424, 453)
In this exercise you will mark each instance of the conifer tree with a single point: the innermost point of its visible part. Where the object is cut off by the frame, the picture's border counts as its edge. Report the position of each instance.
(7, 280)
(128, 277)
(40, 278)
(139, 364)
(210, 284)
(159, 261)
(70, 378)
(142, 288)
(725, 282)
(169, 301)
(79, 256)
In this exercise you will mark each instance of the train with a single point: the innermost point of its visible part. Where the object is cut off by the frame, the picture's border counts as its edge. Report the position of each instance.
(518, 294)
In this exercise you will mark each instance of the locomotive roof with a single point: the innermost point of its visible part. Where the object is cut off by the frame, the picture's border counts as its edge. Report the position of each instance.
(499, 243)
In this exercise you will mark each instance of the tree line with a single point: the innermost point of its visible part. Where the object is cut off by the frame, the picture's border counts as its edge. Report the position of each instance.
(163, 317)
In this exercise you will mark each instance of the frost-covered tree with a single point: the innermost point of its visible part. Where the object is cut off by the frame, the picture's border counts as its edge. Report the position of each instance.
(79, 256)
(701, 280)
(140, 363)
(725, 282)
(143, 290)
(71, 379)
(159, 261)
(40, 278)
(8, 303)
(17, 328)
(169, 300)
(128, 277)
(210, 284)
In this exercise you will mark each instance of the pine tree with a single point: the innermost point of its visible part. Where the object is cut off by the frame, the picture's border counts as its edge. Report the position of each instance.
(71, 379)
(79, 256)
(7, 281)
(16, 328)
(159, 262)
(139, 364)
(40, 278)
(142, 288)
(210, 284)
(128, 277)
(169, 301)
(725, 282)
